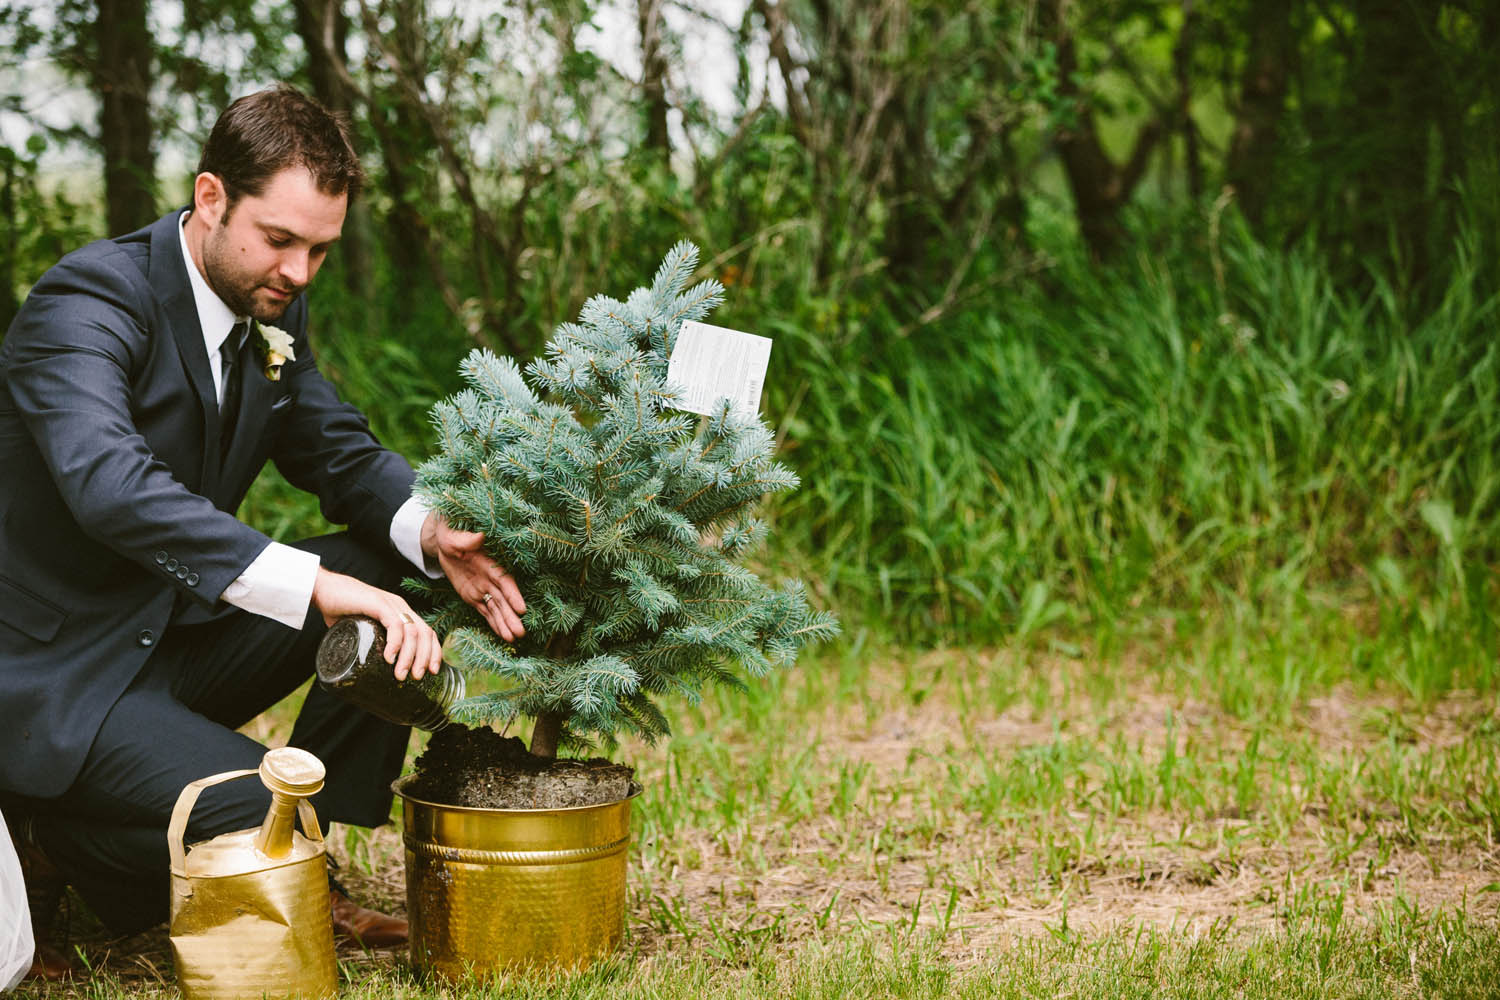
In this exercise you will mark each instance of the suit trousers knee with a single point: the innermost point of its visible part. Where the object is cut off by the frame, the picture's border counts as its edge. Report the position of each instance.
(177, 722)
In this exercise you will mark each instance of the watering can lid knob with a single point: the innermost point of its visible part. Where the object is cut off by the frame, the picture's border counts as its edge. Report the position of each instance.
(291, 771)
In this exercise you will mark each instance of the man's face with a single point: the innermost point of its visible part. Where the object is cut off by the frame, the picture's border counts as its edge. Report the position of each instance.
(260, 255)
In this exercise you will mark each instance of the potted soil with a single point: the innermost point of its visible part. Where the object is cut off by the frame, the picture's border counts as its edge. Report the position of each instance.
(627, 523)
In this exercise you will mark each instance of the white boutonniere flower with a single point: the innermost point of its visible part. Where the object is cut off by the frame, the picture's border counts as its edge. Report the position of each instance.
(276, 349)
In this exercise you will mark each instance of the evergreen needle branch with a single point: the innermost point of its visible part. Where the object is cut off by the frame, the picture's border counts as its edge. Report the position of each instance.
(744, 484)
(553, 538)
(712, 291)
(627, 324)
(633, 594)
(627, 516)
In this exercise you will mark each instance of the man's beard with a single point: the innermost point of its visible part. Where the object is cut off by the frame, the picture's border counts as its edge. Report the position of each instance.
(237, 289)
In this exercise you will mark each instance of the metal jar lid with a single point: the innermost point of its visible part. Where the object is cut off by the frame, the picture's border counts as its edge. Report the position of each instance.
(345, 647)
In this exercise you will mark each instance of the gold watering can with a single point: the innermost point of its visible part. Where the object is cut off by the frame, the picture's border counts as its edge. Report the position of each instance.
(250, 915)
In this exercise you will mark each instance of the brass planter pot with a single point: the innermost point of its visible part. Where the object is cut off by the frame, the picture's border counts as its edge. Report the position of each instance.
(491, 889)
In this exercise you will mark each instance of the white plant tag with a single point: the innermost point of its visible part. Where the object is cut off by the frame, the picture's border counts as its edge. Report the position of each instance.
(712, 362)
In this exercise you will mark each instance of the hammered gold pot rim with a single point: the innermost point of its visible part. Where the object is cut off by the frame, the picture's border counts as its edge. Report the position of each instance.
(398, 787)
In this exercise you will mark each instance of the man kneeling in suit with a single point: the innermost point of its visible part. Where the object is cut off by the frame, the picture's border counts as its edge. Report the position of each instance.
(141, 623)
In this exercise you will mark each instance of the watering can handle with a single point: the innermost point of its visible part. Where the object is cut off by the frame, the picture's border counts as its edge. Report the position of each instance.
(189, 797)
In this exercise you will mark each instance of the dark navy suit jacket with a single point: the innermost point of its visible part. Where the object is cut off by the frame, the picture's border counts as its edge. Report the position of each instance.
(116, 507)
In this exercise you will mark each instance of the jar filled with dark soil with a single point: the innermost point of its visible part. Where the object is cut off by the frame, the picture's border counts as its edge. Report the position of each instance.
(351, 664)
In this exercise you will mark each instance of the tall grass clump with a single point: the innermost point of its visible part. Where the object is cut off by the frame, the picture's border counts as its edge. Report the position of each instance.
(1210, 432)
(1214, 432)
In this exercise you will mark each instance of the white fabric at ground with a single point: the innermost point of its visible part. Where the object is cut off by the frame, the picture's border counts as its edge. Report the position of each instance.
(16, 945)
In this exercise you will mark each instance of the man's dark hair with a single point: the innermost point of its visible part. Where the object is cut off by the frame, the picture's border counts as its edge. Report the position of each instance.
(263, 133)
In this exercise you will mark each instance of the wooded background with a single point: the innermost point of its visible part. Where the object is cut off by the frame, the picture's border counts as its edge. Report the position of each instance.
(907, 141)
(899, 190)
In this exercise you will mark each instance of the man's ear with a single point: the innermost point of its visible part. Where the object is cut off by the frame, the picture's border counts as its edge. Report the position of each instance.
(210, 198)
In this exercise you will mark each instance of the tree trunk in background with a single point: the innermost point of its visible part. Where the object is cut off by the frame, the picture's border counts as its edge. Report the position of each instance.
(8, 304)
(1395, 168)
(910, 231)
(406, 53)
(1250, 167)
(324, 31)
(654, 78)
(1182, 66)
(409, 240)
(1100, 188)
(1486, 219)
(910, 187)
(121, 79)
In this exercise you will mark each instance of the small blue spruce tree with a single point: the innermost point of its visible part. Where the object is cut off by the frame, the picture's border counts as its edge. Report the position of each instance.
(625, 521)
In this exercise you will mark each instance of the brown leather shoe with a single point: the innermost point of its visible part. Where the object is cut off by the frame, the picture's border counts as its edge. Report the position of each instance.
(44, 892)
(49, 964)
(363, 927)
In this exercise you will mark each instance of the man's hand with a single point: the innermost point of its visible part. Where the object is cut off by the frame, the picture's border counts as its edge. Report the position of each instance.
(476, 577)
(410, 643)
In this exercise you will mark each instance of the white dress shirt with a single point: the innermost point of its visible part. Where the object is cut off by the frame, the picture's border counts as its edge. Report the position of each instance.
(278, 583)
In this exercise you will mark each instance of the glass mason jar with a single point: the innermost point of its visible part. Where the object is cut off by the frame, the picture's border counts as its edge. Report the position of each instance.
(351, 664)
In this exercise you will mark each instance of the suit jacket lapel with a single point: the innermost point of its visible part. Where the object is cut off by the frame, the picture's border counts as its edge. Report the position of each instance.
(168, 274)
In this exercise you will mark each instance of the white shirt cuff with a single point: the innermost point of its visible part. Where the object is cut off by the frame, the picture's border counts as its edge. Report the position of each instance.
(278, 585)
(406, 536)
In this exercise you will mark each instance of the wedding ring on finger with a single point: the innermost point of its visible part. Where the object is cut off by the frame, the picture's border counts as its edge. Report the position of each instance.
(406, 617)
(487, 598)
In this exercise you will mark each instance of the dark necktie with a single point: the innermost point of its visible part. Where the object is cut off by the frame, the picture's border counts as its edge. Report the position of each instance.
(230, 358)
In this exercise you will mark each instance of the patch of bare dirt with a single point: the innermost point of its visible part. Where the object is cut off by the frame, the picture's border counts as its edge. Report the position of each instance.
(984, 882)
(971, 888)
(906, 852)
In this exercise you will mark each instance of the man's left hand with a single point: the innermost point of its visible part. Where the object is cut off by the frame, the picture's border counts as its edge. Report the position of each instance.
(476, 577)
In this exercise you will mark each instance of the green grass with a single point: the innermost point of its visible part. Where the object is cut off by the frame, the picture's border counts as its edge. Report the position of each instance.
(1411, 956)
(1031, 821)
(1210, 428)
(1169, 666)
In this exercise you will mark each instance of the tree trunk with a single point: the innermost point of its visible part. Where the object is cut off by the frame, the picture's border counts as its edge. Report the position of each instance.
(402, 51)
(1397, 99)
(121, 79)
(410, 241)
(1100, 188)
(914, 232)
(324, 30)
(777, 30)
(8, 304)
(1249, 168)
(544, 735)
(1182, 65)
(548, 729)
(654, 78)
(910, 232)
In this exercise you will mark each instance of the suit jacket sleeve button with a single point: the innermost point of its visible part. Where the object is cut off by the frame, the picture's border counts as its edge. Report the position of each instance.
(182, 572)
(160, 557)
(192, 579)
(146, 637)
(171, 565)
